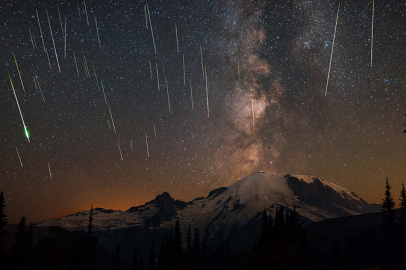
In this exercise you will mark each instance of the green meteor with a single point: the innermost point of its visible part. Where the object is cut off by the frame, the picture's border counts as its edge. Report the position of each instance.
(27, 134)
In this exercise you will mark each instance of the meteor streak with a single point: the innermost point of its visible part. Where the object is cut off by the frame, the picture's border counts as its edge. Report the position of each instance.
(154, 131)
(104, 94)
(35, 83)
(332, 47)
(150, 69)
(86, 68)
(207, 93)
(95, 75)
(146, 19)
(31, 38)
(112, 121)
(177, 41)
(76, 63)
(39, 86)
(27, 134)
(49, 61)
(97, 30)
(167, 93)
(19, 74)
(157, 75)
(201, 57)
(49, 169)
(87, 18)
(131, 141)
(19, 157)
(53, 41)
(184, 76)
(372, 30)
(109, 123)
(146, 141)
(65, 38)
(80, 16)
(191, 93)
(43, 44)
(119, 148)
(152, 31)
(60, 21)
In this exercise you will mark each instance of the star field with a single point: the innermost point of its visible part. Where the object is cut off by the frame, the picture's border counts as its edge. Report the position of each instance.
(266, 64)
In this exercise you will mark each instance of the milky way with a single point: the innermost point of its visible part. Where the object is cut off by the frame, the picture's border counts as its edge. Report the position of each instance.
(264, 107)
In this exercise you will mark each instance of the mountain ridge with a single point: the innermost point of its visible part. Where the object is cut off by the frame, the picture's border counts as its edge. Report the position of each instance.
(254, 193)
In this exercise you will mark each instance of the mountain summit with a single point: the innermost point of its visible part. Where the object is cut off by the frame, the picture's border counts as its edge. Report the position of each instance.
(231, 213)
(315, 199)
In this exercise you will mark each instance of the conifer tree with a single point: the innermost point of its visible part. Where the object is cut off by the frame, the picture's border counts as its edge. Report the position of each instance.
(21, 232)
(30, 239)
(264, 230)
(90, 226)
(117, 258)
(177, 243)
(189, 242)
(162, 255)
(293, 217)
(204, 252)
(196, 246)
(142, 265)
(134, 262)
(279, 218)
(270, 227)
(151, 262)
(3, 220)
(3, 217)
(228, 251)
(112, 261)
(219, 255)
(387, 207)
(403, 207)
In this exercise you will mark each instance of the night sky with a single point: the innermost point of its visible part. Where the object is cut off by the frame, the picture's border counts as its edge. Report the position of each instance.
(266, 64)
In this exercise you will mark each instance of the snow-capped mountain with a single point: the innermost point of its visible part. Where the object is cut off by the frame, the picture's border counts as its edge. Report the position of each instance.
(233, 212)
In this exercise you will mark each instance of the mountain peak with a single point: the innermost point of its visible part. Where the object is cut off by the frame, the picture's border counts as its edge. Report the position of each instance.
(164, 195)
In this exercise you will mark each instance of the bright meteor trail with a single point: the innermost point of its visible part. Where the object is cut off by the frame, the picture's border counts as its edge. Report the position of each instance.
(372, 30)
(43, 44)
(53, 41)
(146, 141)
(19, 157)
(119, 148)
(49, 169)
(152, 31)
(27, 134)
(332, 48)
(19, 74)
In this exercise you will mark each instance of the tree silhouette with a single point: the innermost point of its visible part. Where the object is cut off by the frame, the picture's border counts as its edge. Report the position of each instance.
(387, 207)
(162, 256)
(196, 247)
(30, 239)
(134, 262)
(177, 244)
(403, 207)
(3, 220)
(117, 258)
(189, 242)
(151, 262)
(264, 231)
(21, 231)
(279, 218)
(142, 265)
